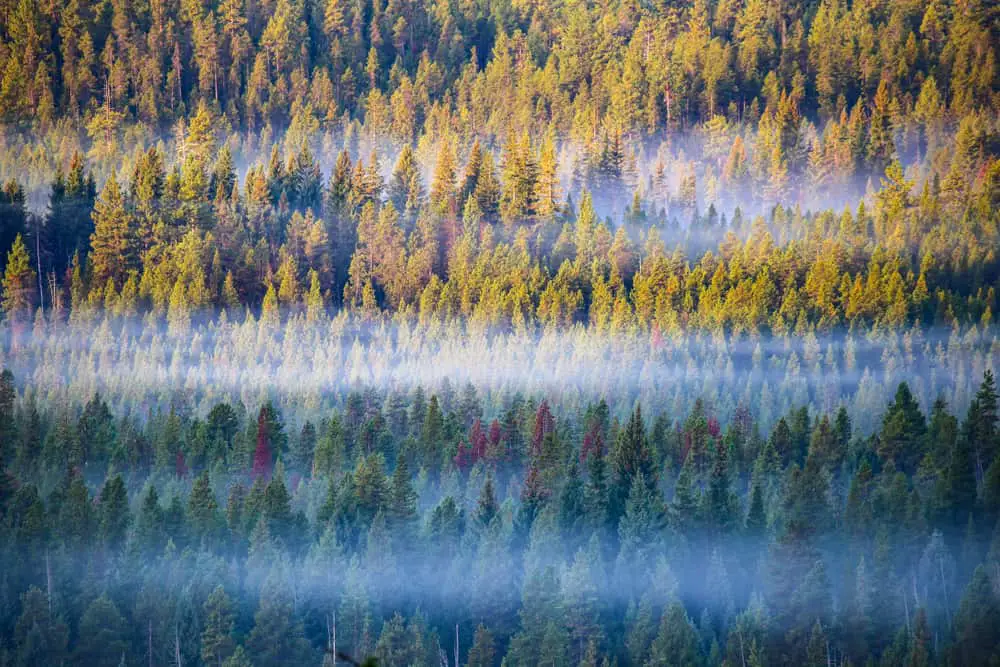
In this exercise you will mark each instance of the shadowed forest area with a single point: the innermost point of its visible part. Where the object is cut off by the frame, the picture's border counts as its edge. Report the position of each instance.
(499, 332)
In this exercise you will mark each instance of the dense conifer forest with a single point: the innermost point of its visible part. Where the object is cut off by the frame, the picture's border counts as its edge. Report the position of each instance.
(499, 333)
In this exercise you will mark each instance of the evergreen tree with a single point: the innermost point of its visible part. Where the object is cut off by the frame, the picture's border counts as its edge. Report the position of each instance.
(203, 517)
(113, 513)
(483, 651)
(487, 508)
(114, 243)
(39, 636)
(217, 644)
(631, 458)
(102, 634)
(18, 285)
(976, 621)
(277, 635)
(676, 641)
(723, 505)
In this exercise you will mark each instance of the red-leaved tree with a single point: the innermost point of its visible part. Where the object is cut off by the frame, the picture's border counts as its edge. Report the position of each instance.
(545, 423)
(262, 454)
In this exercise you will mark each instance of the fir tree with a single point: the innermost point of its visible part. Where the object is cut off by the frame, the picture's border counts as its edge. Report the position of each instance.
(217, 643)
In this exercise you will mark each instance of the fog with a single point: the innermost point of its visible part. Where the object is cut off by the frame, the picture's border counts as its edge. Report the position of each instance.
(655, 167)
(353, 569)
(309, 368)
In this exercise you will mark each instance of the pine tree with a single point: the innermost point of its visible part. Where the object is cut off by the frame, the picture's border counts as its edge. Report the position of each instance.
(632, 458)
(402, 510)
(431, 435)
(960, 476)
(642, 520)
(217, 643)
(75, 521)
(976, 622)
(239, 658)
(203, 517)
(676, 642)
(18, 285)
(817, 649)
(756, 521)
(903, 430)
(723, 505)
(277, 636)
(114, 513)
(149, 528)
(545, 197)
(301, 455)
(114, 243)
(39, 636)
(483, 651)
(985, 422)
(13, 215)
(684, 515)
(487, 507)
(572, 507)
(920, 644)
(271, 439)
(8, 425)
(554, 648)
(102, 635)
(277, 509)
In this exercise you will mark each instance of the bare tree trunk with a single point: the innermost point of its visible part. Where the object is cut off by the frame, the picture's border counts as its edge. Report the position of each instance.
(456, 645)
(667, 100)
(944, 589)
(48, 580)
(177, 646)
(149, 642)
(906, 609)
(38, 262)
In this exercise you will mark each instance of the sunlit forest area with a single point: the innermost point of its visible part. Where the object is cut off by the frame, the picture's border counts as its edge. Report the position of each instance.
(499, 333)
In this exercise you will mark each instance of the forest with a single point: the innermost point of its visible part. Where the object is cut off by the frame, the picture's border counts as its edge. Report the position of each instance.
(491, 333)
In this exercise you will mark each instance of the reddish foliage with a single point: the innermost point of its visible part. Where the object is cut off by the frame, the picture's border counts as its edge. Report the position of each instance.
(533, 490)
(545, 423)
(463, 458)
(478, 441)
(593, 443)
(496, 434)
(477, 448)
(743, 420)
(180, 465)
(714, 429)
(495, 454)
(656, 337)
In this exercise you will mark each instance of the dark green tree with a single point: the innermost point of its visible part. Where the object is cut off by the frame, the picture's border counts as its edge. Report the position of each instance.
(217, 643)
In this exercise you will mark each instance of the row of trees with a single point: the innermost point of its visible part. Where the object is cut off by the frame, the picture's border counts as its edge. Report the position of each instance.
(311, 368)
(397, 529)
(496, 245)
(638, 67)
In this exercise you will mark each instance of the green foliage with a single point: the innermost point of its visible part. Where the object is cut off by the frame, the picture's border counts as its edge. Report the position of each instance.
(294, 544)
(665, 204)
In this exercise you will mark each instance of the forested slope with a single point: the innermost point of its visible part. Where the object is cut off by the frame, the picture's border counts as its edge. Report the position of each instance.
(499, 333)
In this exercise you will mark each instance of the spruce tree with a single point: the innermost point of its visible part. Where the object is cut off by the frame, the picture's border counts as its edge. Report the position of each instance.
(18, 285)
(217, 643)
(102, 635)
(114, 513)
(203, 518)
(40, 637)
(114, 242)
